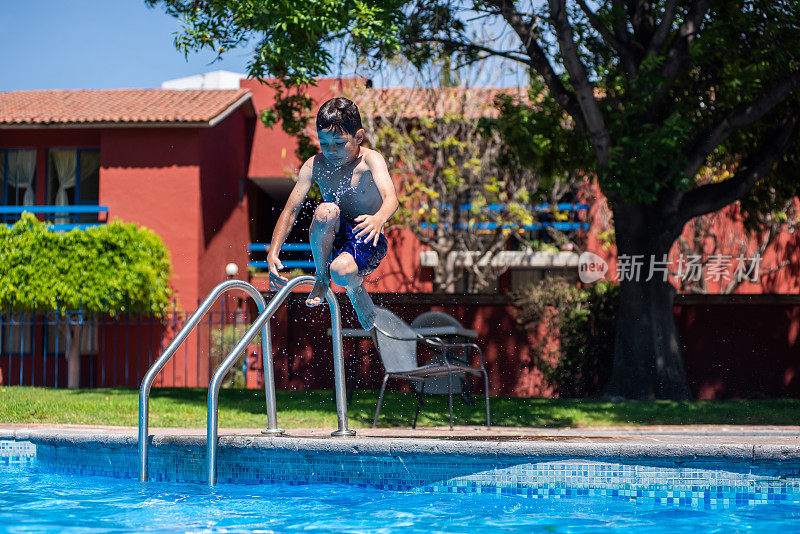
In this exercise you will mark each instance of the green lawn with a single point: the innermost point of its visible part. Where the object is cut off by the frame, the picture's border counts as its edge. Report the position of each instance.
(302, 409)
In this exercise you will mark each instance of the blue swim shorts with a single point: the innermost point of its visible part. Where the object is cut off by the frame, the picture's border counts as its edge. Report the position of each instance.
(367, 255)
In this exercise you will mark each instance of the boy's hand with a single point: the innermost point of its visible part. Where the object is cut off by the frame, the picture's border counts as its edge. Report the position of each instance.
(371, 226)
(276, 280)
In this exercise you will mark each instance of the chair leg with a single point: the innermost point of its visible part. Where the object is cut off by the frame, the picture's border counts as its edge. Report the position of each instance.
(419, 404)
(450, 396)
(486, 393)
(380, 399)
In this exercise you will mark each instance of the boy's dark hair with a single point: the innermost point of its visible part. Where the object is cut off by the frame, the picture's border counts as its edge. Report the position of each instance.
(341, 114)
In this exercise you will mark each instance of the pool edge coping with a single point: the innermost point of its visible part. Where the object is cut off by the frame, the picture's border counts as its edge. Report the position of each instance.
(393, 446)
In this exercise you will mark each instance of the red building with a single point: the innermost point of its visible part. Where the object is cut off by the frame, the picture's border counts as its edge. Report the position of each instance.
(200, 169)
(173, 161)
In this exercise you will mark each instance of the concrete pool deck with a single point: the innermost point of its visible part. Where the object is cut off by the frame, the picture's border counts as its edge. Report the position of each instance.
(743, 443)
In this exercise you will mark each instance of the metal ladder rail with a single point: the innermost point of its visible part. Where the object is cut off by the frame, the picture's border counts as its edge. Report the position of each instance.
(263, 319)
(191, 324)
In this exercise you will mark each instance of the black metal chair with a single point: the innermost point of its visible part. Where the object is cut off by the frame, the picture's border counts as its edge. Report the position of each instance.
(397, 344)
(438, 385)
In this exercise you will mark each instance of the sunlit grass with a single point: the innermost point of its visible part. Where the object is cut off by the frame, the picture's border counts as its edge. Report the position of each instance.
(241, 408)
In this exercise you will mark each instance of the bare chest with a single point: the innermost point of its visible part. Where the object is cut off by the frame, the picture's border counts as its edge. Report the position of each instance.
(353, 190)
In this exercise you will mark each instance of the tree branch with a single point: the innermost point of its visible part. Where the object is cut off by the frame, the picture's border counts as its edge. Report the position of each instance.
(641, 16)
(620, 22)
(714, 196)
(580, 81)
(539, 61)
(663, 29)
(687, 33)
(625, 54)
(509, 54)
(739, 117)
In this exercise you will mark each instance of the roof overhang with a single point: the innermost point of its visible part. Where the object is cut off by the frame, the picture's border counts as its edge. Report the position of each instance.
(245, 100)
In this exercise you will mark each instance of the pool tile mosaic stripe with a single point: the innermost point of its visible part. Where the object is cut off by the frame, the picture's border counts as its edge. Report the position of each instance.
(17, 453)
(705, 484)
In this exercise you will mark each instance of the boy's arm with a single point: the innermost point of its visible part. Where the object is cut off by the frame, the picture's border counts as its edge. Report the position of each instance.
(286, 221)
(372, 225)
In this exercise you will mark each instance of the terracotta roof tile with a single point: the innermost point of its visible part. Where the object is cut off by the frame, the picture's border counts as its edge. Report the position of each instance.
(472, 102)
(115, 106)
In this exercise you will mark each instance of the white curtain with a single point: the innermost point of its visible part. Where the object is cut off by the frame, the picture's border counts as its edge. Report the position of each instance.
(66, 163)
(22, 173)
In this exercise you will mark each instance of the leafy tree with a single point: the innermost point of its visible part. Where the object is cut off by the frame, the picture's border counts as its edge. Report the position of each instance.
(444, 143)
(113, 268)
(656, 89)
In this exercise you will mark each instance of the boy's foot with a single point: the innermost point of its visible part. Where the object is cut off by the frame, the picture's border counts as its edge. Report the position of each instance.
(362, 303)
(317, 294)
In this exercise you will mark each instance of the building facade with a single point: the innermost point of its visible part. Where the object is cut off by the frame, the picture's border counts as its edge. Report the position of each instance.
(195, 164)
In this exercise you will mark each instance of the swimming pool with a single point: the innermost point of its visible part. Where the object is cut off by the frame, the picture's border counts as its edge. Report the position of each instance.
(35, 500)
(383, 485)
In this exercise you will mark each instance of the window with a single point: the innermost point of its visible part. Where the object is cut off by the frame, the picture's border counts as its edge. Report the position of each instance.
(18, 177)
(73, 177)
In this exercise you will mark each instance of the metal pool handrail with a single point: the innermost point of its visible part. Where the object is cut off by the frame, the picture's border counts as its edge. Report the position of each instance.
(263, 319)
(266, 356)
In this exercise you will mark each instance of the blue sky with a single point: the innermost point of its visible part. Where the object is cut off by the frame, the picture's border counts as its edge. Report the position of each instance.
(94, 44)
(108, 44)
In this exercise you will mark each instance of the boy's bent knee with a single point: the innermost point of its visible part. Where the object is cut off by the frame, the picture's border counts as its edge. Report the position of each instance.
(327, 212)
(344, 270)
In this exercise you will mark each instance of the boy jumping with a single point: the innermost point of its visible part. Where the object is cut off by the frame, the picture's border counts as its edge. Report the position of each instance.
(358, 198)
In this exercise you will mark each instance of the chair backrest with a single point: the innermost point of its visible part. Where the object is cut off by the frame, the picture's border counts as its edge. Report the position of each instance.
(397, 355)
(434, 318)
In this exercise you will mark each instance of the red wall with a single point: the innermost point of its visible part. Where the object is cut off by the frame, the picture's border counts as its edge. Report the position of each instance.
(733, 347)
(224, 230)
(151, 177)
(728, 227)
(753, 350)
(741, 346)
(303, 352)
(182, 183)
(273, 152)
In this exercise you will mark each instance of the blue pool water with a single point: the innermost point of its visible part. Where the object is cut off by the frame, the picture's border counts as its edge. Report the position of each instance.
(33, 500)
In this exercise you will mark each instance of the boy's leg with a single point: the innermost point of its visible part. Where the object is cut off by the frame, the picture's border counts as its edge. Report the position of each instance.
(344, 272)
(321, 235)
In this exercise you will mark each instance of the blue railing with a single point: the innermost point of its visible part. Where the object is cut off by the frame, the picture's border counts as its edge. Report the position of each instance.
(10, 214)
(564, 206)
(287, 247)
(558, 225)
(563, 226)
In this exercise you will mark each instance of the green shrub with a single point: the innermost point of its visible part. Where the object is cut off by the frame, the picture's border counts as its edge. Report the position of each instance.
(581, 321)
(114, 268)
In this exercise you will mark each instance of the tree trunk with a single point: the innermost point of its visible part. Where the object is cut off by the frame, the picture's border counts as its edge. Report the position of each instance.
(72, 332)
(446, 274)
(647, 354)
